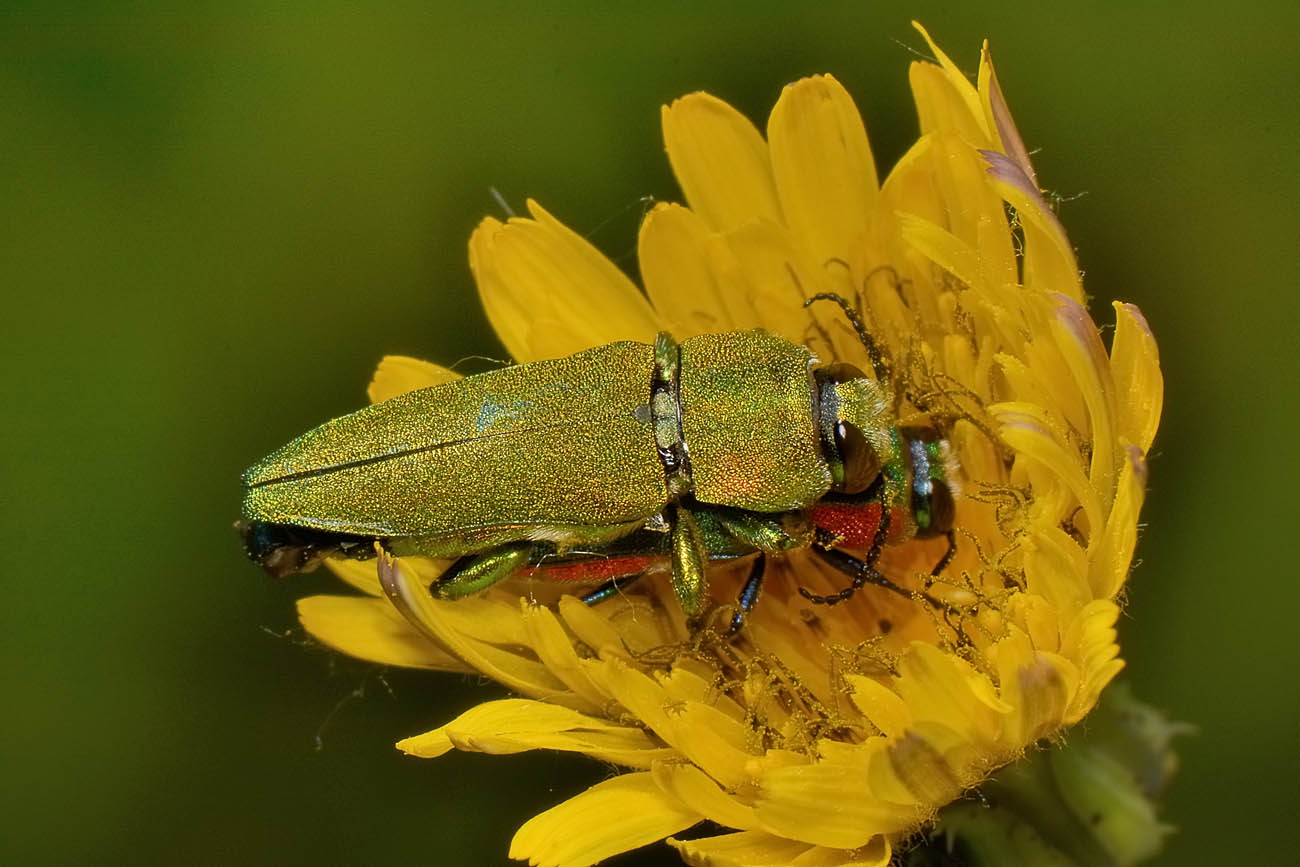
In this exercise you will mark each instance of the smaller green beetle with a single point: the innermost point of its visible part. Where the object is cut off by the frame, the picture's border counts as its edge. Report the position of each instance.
(611, 463)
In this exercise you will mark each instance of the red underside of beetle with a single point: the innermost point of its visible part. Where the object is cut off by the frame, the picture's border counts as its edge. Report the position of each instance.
(854, 525)
(593, 570)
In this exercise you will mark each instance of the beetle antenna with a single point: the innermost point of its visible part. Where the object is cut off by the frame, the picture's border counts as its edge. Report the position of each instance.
(873, 349)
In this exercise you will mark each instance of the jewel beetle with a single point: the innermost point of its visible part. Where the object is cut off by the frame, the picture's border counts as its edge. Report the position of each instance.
(612, 462)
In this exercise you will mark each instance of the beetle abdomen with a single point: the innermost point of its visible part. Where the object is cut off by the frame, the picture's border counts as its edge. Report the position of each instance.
(553, 443)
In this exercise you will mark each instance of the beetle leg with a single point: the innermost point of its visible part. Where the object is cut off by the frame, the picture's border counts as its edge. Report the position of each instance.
(859, 570)
(768, 534)
(688, 555)
(611, 588)
(477, 572)
(947, 555)
(863, 572)
(748, 593)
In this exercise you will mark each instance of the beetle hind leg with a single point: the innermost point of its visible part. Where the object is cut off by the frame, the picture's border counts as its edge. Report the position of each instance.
(477, 572)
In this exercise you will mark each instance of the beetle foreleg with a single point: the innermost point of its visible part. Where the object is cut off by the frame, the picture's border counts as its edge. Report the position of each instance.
(477, 572)
(771, 535)
(859, 570)
(863, 572)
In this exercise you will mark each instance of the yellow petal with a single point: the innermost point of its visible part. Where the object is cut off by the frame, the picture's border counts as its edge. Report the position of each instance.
(555, 650)
(936, 762)
(1024, 428)
(1091, 639)
(696, 681)
(968, 100)
(941, 687)
(877, 853)
(942, 247)
(974, 210)
(702, 733)
(587, 625)
(1038, 618)
(1135, 369)
(517, 670)
(713, 740)
(1080, 344)
(757, 849)
(744, 849)
(550, 293)
(678, 255)
(398, 374)
(1049, 262)
(997, 116)
(371, 629)
(489, 617)
(699, 792)
(517, 725)
(885, 778)
(361, 574)
(615, 816)
(886, 710)
(824, 171)
(940, 105)
(721, 162)
(828, 803)
(621, 627)
(1055, 569)
(1037, 685)
(779, 276)
(1115, 549)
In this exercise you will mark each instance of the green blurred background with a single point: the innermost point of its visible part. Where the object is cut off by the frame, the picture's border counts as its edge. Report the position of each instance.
(216, 220)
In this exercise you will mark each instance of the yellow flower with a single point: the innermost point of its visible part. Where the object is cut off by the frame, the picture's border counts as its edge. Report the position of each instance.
(821, 735)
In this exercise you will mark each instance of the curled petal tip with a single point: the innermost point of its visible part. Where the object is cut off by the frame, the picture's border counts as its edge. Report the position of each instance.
(1004, 168)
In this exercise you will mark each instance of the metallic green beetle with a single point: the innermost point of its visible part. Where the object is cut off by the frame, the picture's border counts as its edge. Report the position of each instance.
(598, 465)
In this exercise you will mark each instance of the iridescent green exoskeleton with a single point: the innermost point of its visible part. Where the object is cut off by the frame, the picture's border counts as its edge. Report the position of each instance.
(608, 463)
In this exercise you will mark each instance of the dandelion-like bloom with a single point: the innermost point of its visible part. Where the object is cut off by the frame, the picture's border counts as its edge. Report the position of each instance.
(820, 735)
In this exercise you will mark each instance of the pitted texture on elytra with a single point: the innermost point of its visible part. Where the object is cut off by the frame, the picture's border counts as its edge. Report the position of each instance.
(546, 444)
(747, 413)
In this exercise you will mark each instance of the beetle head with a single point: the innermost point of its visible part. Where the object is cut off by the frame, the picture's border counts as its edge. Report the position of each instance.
(283, 549)
(857, 436)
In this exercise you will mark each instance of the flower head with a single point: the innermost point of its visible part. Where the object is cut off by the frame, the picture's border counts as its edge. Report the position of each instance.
(820, 734)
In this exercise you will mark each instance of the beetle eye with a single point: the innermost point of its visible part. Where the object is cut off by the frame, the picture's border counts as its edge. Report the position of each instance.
(861, 465)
